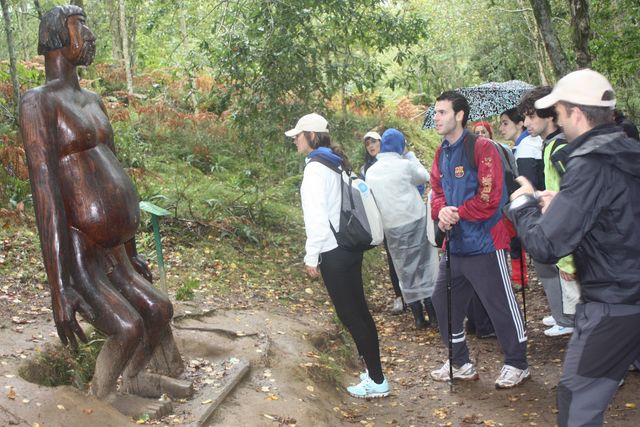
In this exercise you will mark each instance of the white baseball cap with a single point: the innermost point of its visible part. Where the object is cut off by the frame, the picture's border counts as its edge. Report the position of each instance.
(310, 123)
(372, 135)
(582, 87)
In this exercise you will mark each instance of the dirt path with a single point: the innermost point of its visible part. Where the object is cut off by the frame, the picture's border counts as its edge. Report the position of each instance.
(283, 388)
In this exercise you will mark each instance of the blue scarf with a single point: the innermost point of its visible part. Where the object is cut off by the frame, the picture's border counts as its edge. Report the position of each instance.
(327, 154)
(523, 135)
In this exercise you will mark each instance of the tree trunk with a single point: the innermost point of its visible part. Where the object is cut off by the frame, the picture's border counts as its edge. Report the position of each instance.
(36, 3)
(114, 29)
(12, 56)
(542, 13)
(581, 31)
(21, 44)
(541, 56)
(132, 29)
(125, 47)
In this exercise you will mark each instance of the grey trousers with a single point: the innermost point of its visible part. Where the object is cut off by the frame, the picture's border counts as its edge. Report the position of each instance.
(488, 275)
(605, 341)
(549, 275)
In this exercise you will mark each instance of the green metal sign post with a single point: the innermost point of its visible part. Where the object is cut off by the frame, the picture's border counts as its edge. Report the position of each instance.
(156, 212)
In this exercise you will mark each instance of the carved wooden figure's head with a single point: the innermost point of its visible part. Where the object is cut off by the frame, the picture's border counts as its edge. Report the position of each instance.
(64, 27)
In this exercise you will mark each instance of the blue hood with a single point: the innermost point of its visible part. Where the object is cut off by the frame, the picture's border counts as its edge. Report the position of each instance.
(327, 154)
(392, 141)
(522, 136)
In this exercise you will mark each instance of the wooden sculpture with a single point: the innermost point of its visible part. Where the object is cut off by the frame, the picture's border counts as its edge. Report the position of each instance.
(87, 214)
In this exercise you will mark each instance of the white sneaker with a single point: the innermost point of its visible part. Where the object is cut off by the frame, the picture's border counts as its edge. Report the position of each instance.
(549, 321)
(369, 389)
(557, 330)
(510, 376)
(465, 372)
(398, 306)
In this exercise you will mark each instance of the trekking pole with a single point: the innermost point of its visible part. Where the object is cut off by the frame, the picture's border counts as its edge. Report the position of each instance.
(524, 298)
(450, 333)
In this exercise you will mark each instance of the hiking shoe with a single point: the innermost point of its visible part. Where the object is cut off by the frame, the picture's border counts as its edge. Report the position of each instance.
(363, 375)
(549, 321)
(557, 330)
(466, 372)
(369, 389)
(510, 376)
(398, 306)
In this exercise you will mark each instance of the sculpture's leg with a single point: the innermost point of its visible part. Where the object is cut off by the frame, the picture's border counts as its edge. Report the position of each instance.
(156, 311)
(154, 307)
(114, 316)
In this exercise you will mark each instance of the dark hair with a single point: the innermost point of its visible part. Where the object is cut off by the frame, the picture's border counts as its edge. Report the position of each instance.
(458, 102)
(527, 103)
(596, 116)
(368, 158)
(514, 115)
(322, 139)
(53, 32)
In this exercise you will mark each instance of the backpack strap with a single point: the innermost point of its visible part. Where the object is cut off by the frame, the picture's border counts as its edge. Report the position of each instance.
(559, 157)
(327, 163)
(469, 142)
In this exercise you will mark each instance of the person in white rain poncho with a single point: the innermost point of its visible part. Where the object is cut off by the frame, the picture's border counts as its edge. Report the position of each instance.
(393, 180)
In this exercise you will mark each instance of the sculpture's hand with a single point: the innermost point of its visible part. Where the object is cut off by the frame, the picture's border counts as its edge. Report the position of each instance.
(65, 308)
(141, 267)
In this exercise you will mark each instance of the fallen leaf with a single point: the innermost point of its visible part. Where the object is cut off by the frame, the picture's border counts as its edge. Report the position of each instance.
(11, 394)
(630, 405)
(87, 411)
(60, 407)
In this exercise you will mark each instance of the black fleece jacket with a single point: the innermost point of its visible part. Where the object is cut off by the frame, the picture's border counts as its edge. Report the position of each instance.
(595, 216)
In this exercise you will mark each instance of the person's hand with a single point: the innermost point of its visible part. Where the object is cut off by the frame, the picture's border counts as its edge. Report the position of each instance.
(545, 197)
(448, 216)
(525, 188)
(444, 227)
(65, 306)
(569, 277)
(313, 272)
(141, 267)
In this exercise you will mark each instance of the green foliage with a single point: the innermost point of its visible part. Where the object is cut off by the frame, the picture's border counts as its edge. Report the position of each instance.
(327, 48)
(56, 365)
(185, 292)
(615, 44)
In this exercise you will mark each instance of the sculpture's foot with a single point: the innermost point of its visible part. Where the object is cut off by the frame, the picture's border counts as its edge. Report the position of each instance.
(136, 406)
(148, 384)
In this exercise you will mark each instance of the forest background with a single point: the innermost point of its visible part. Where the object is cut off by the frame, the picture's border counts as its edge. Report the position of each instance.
(199, 94)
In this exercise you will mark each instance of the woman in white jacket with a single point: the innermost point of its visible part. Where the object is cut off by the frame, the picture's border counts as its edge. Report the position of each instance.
(341, 269)
(393, 179)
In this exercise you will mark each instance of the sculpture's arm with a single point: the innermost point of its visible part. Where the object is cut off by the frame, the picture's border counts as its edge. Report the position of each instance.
(138, 263)
(38, 138)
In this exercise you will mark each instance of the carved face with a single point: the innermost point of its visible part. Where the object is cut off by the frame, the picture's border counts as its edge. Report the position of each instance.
(82, 41)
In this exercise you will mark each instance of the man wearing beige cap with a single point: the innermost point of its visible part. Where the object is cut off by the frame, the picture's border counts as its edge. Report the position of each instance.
(595, 216)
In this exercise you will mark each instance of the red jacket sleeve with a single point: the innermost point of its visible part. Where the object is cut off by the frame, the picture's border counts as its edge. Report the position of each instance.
(437, 195)
(490, 182)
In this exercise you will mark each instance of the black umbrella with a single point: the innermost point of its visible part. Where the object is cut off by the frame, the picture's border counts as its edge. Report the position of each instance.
(487, 99)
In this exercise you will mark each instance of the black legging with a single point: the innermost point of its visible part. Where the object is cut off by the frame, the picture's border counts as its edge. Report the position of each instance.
(342, 275)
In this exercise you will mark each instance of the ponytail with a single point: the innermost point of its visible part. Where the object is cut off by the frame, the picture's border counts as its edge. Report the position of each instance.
(322, 139)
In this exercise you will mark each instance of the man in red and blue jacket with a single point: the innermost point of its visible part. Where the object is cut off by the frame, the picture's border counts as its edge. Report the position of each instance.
(467, 202)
